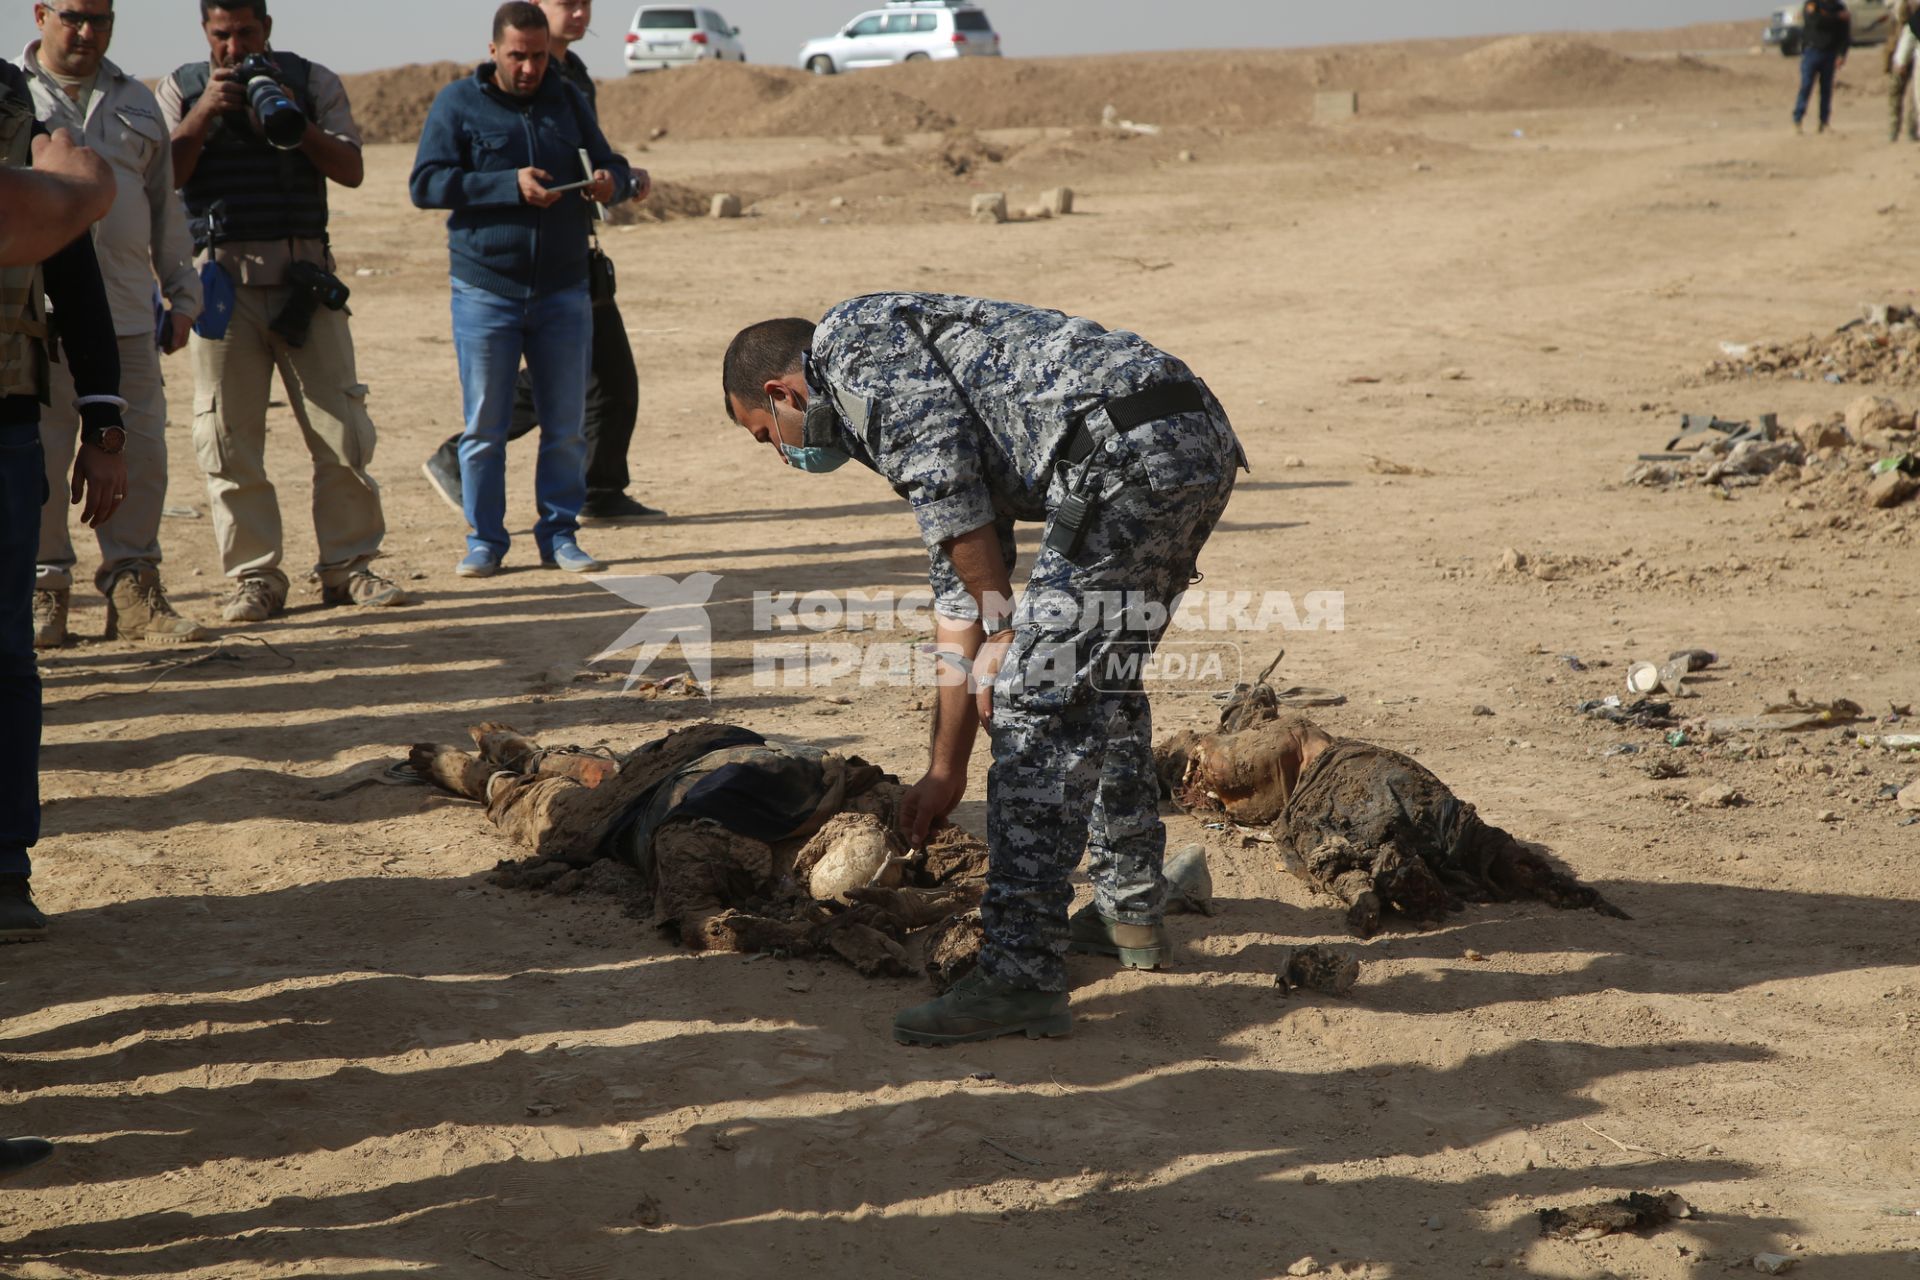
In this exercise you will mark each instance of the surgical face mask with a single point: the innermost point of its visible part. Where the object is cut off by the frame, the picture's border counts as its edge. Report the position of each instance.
(817, 459)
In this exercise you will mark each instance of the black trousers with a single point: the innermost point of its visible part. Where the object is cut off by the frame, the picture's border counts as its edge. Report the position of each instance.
(613, 406)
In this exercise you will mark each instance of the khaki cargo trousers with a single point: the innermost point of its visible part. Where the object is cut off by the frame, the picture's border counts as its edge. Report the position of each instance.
(131, 539)
(233, 380)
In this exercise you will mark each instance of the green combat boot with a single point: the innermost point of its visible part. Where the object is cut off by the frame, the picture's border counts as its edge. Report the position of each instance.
(1136, 946)
(979, 1007)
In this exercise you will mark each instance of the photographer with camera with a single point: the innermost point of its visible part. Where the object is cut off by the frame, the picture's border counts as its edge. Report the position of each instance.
(257, 135)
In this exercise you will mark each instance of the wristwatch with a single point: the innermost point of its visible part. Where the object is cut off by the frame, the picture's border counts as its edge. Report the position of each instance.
(105, 439)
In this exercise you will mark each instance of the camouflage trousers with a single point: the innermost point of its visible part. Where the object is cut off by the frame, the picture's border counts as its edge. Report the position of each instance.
(1902, 106)
(1072, 732)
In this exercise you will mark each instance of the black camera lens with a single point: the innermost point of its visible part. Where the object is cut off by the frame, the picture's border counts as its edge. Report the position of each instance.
(283, 122)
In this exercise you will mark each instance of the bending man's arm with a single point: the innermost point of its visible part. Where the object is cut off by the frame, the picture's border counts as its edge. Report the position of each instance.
(47, 207)
(963, 697)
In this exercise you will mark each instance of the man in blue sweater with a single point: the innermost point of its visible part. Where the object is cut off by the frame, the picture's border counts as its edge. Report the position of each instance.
(502, 151)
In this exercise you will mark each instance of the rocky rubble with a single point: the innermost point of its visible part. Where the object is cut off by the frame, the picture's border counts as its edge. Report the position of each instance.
(1869, 456)
(1882, 346)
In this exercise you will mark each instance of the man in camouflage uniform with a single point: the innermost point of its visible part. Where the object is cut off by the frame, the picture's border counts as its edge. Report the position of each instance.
(981, 414)
(1901, 45)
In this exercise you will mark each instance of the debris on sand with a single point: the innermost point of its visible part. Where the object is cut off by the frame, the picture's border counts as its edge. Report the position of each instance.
(990, 208)
(1189, 881)
(1714, 451)
(1637, 1211)
(1833, 460)
(1323, 969)
(1881, 346)
(953, 949)
(1388, 467)
(1791, 716)
(1643, 714)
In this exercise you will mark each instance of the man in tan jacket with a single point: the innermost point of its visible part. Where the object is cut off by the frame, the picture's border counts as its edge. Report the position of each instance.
(142, 239)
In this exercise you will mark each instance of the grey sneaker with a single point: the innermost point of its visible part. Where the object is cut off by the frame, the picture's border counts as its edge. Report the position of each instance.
(445, 479)
(20, 919)
(980, 1007)
(252, 600)
(137, 609)
(1135, 946)
(365, 588)
(50, 618)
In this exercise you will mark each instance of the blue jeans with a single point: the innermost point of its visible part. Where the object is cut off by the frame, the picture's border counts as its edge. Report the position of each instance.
(23, 490)
(555, 334)
(1816, 64)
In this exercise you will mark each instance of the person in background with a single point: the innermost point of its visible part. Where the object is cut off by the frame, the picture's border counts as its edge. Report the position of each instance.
(258, 214)
(1902, 104)
(494, 147)
(613, 384)
(143, 237)
(1827, 35)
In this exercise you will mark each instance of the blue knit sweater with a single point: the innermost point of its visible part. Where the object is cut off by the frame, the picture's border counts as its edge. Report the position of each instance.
(476, 141)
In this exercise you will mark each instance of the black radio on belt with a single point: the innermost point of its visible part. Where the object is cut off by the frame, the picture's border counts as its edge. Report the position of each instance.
(1067, 528)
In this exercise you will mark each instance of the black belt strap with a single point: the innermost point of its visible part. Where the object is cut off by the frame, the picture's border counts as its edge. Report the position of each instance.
(1168, 400)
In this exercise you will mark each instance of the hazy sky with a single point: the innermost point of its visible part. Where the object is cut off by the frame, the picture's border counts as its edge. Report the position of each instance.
(154, 36)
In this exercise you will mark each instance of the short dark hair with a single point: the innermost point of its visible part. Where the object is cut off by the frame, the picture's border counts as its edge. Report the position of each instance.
(518, 15)
(760, 353)
(207, 7)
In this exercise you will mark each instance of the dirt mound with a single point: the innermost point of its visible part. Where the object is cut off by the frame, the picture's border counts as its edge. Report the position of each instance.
(731, 100)
(668, 200)
(1220, 90)
(391, 105)
(1532, 71)
(1214, 90)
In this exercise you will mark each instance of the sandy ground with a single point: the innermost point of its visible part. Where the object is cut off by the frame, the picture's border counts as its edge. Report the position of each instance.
(284, 1031)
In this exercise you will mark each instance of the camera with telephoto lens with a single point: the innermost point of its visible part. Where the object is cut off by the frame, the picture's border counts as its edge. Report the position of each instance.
(310, 288)
(283, 122)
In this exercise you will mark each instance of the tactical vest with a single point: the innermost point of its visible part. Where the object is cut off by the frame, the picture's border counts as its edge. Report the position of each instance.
(23, 301)
(244, 188)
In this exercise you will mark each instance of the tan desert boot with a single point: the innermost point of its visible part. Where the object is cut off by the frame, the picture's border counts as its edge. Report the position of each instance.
(137, 609)
(49, 619)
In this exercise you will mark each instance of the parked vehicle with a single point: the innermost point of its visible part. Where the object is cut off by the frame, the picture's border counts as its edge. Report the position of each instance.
(664, 36)
(1872, 24)
(904, 31)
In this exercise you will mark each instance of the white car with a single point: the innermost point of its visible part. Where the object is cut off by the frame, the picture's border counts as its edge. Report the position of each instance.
(664, 36)
(1872, 24)
(904, 31)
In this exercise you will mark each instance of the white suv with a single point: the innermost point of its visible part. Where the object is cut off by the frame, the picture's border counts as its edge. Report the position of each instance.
(673, 35)
(904, 31)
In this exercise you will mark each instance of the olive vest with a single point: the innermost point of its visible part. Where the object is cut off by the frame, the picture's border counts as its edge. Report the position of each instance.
(244, 188)
(23, 301)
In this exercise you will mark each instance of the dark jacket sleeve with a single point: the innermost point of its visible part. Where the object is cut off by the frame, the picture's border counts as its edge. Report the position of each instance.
(85, 321)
